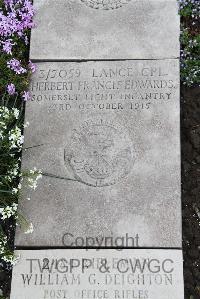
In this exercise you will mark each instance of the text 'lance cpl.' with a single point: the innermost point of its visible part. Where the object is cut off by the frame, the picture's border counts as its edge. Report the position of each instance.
(128, 72)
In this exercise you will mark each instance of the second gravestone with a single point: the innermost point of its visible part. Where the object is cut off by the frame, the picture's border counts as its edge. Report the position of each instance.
(104, 274)
(106, 135)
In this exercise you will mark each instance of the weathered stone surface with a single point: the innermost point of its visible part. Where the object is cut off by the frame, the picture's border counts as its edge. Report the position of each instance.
(106, 135)
(109, 274)
(94, 29)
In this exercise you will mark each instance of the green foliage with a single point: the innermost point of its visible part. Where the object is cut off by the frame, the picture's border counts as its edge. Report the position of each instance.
(190, 62)
(12, 125)
(190, 42)
(187, 10)
(8, 76)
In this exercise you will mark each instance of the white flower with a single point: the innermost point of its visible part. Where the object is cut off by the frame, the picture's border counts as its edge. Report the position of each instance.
(30, 229)
(3, 242)
(7, 212)
(7, 177)
(16, 113)
(39, 176)
(15, 190)
(32, 183)
(11, 259)
(26, 124)
(35, 176)
(14, 171)
(16, 138)
(14, 206)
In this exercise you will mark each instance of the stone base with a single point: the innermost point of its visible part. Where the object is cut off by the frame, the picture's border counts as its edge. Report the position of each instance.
(98, 274)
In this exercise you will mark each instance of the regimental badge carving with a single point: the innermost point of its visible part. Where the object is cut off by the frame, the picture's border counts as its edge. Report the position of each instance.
(105, 4)
(100, 153)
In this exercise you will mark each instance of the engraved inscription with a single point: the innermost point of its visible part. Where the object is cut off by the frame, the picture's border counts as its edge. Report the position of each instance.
(105, 4)
(101, 153)
(116, 87)
(94, 274)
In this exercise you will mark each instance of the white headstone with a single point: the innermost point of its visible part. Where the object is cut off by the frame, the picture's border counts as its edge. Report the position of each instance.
(106, 136)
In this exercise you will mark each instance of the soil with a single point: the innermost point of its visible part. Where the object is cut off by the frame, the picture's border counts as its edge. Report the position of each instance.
(5, 270)
(190, 138)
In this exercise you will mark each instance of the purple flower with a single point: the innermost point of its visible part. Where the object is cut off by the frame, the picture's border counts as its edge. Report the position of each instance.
(15, 65)
(26, 96)
(11, 89)
(7, 46)
(32, 66)
(17, 18)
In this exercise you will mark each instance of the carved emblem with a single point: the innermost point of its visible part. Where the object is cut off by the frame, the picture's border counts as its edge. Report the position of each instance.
(100, 153)
(105, 4)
